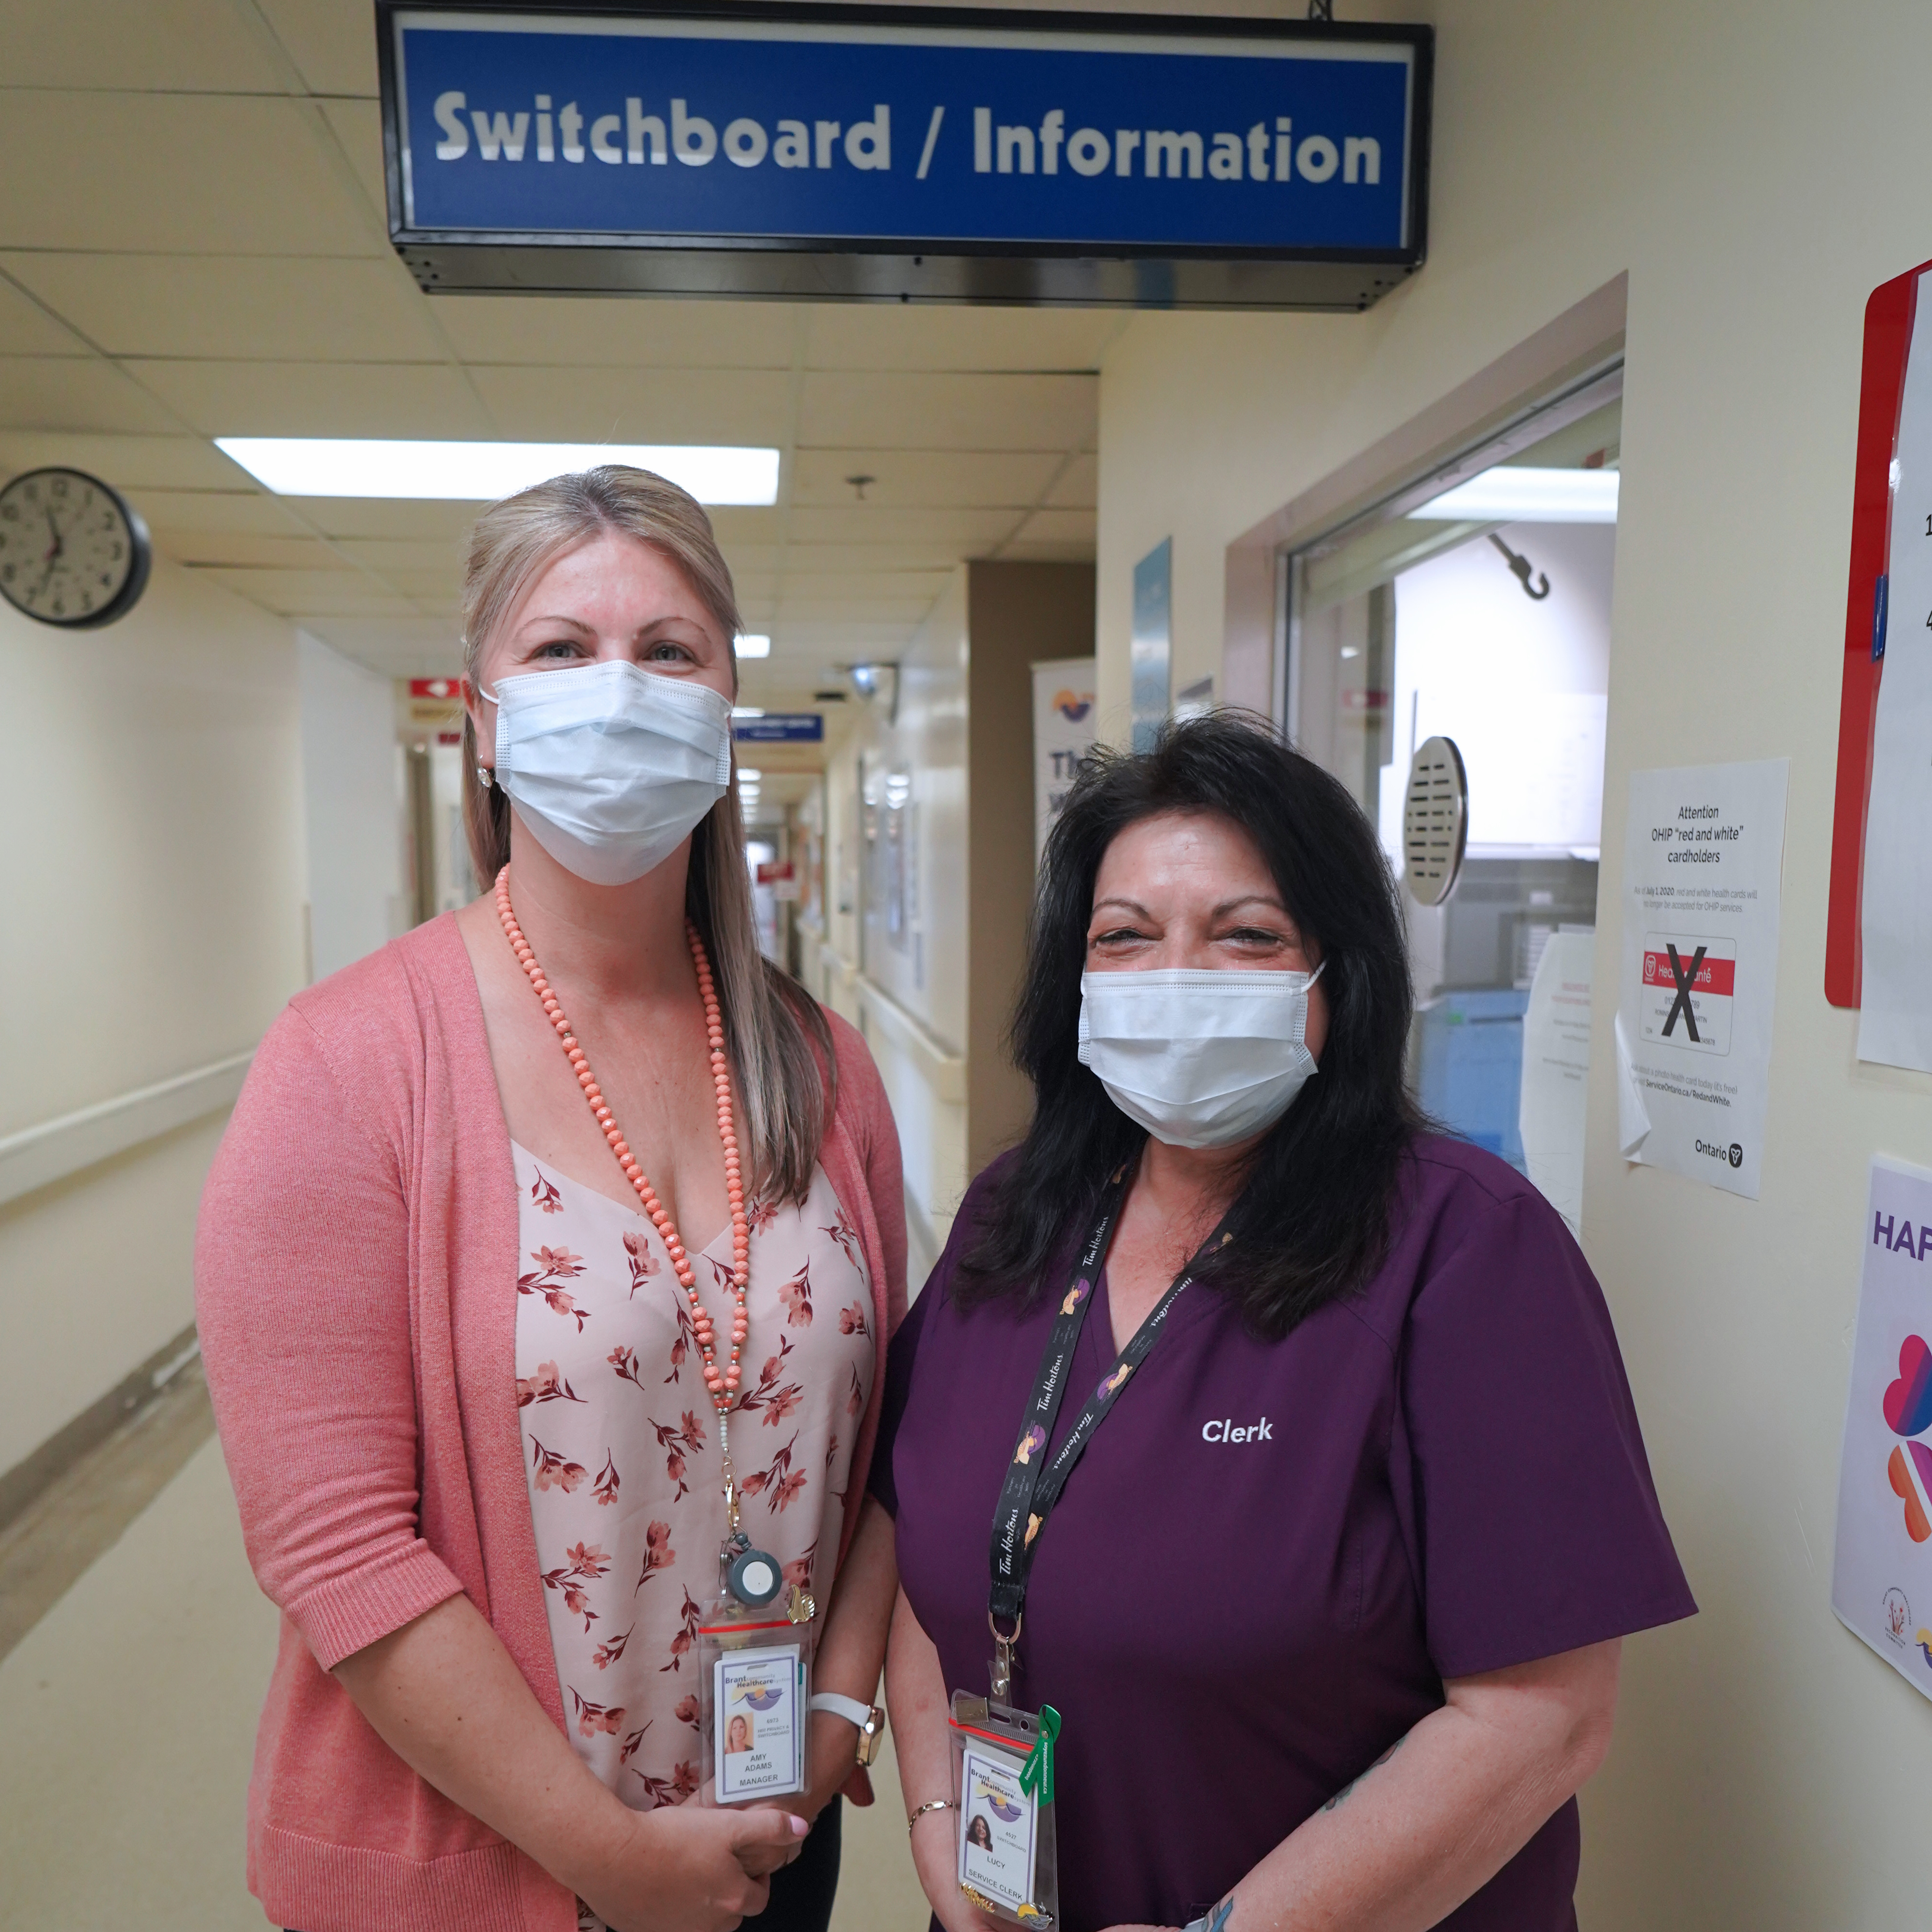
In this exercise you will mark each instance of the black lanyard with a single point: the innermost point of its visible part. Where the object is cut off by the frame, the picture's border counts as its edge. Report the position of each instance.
(1033, 1485)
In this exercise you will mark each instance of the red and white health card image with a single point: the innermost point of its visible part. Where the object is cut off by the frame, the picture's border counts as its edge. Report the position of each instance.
(1689, 986)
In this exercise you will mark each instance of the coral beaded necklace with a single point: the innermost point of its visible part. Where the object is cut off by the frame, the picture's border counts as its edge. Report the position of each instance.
(722, 1382)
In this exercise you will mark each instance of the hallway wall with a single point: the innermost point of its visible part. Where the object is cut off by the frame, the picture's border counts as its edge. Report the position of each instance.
(896, 853)
(352, 807)
(1768, 1769)
(153, 880)
(929, 867)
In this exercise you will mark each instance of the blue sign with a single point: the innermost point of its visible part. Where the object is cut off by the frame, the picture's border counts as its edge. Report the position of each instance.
(780, 727)
(739, 145)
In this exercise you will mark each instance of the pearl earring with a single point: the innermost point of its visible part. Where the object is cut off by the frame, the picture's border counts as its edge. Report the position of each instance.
(485, 777)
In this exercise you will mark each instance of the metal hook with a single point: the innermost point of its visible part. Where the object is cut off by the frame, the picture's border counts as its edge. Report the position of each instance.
(1520, 568)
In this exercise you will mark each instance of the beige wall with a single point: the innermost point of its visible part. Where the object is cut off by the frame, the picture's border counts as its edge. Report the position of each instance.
(1756, 171)
(153, 887)
(910, 1002)
(1020, 614)
(935, 1010)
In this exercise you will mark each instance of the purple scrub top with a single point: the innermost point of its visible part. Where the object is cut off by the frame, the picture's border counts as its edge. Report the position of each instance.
(1273, 1553)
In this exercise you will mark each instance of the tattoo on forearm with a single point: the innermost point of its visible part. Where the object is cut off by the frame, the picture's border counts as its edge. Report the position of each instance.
(1353, 1782)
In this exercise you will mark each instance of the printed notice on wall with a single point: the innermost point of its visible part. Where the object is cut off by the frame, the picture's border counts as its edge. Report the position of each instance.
(1556, 1071)
(1881, 1576)
(1895, 973)
(1703, 865)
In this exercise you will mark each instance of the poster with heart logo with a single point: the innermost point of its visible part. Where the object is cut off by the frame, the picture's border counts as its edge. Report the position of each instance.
(1881, 1576)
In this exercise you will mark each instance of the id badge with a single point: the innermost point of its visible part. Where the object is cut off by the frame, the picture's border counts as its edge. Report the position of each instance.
(1007, 1863)
(756, 1671)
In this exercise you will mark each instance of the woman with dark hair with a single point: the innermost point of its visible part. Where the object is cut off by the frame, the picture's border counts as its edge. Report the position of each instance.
(1355, 1509)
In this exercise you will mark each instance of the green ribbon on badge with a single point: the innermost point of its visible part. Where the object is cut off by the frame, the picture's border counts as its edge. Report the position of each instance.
(1036, 1773)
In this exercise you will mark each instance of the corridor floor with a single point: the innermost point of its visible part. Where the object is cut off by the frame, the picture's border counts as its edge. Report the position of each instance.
(127, 1719)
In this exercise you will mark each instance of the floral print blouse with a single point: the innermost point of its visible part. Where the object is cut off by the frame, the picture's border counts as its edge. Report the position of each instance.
(620, 1446)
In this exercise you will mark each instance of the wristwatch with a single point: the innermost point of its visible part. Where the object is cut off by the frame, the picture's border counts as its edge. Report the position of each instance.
(870, 1719)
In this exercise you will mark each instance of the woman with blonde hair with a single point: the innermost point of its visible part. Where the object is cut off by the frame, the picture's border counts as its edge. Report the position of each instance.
(543, 1277)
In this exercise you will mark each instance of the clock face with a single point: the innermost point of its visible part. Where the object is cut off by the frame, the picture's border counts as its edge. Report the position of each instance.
(71, 552)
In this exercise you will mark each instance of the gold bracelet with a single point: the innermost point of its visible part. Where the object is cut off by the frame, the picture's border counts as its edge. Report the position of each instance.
(931, 1805)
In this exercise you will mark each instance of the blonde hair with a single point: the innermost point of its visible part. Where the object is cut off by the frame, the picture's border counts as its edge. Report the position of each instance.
(774, 1032)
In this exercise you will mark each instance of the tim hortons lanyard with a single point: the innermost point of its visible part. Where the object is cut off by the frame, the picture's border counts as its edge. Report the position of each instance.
(1033, 1484)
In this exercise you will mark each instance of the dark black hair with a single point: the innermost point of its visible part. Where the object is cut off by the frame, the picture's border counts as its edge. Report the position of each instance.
(1314, 1220)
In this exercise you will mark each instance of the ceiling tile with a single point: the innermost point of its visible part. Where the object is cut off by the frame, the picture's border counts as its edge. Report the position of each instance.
(400, 647)
(856, 559)
(840, 606)
(127, 462)
(238, 308)
(745, 524)
(1048, 553)
(629, 331)
(868, 335)
(387, 554)
(27, 329)
(443, 588)
(874, 522)
(248, 512)
(371, 399)
(357, 127)
(968, 413)
(347, 593)
(383, 518)
(44, 392)
(195, 47)
(174, 173)
(240, 549)
(333, 45)
(922, 478)
(1079, 485)
(737, 406)
(1058, 526)
(744, 558)
(893, 584)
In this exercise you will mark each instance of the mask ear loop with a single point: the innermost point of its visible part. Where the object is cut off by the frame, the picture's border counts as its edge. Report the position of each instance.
(486, 775)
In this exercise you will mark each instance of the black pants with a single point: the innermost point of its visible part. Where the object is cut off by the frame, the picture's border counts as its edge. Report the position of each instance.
(802, 1892)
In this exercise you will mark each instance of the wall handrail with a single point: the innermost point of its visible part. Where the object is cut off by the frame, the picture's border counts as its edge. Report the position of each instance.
(943, 1069)
(38, 1155)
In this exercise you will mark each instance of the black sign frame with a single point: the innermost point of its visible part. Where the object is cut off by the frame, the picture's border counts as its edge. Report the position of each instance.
(907, 269)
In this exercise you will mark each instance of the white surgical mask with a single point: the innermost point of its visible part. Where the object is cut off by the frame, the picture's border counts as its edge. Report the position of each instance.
(1199, 1059)
(611, 767)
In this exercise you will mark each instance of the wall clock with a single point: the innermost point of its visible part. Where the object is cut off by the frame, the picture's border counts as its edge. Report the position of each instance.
(72, 553)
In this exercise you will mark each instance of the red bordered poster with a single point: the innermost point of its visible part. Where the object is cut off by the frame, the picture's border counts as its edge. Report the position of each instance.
(1888, 319)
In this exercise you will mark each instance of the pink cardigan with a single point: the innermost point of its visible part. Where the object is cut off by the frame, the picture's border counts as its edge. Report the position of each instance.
(357, 1245)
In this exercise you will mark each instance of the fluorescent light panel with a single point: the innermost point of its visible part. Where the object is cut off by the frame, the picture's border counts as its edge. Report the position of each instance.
(482, 472)
(751, 645)
(1507, 495)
